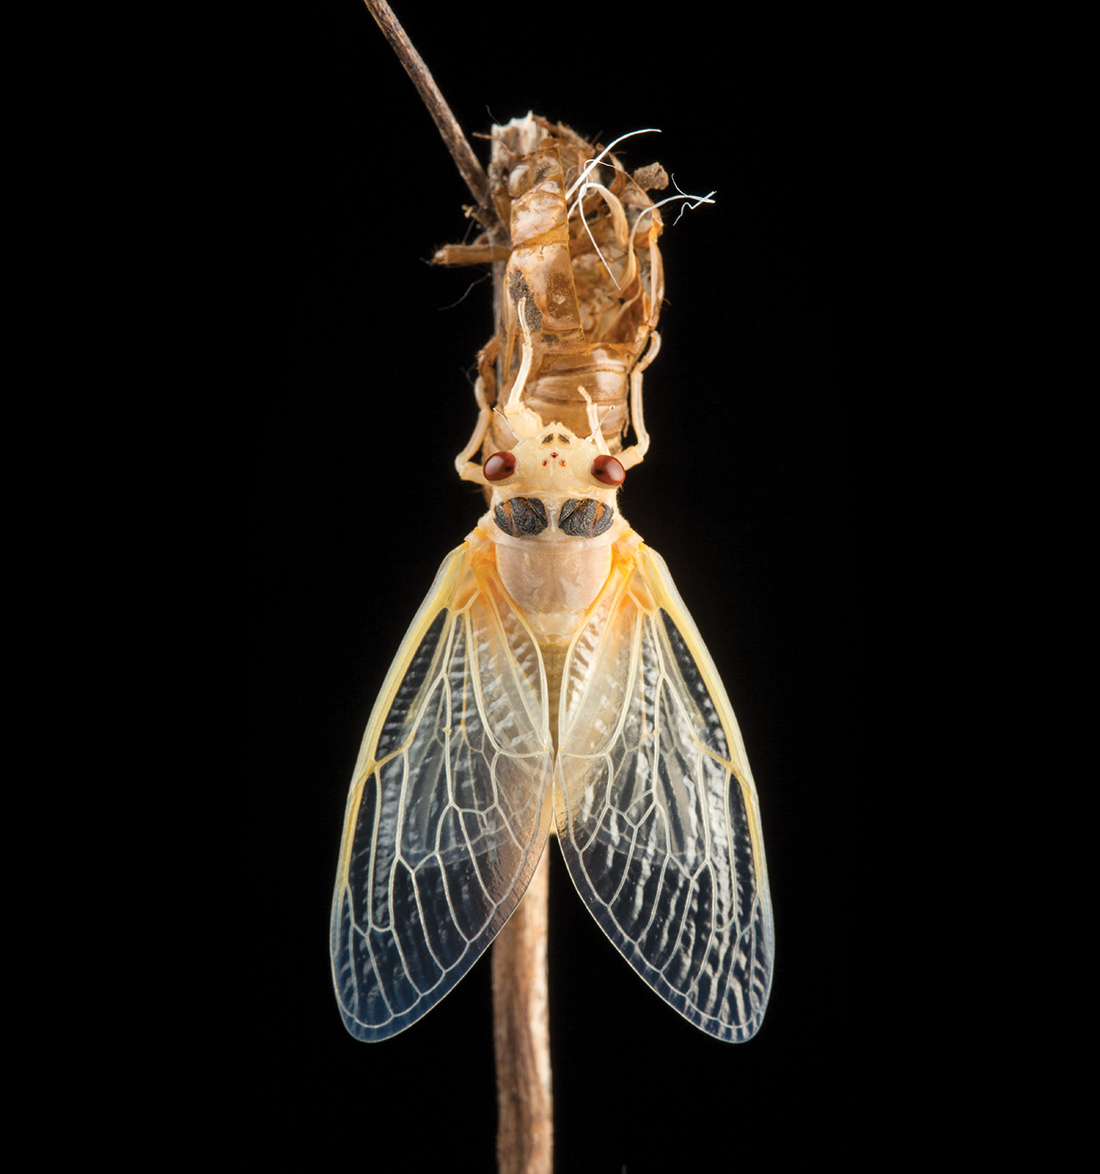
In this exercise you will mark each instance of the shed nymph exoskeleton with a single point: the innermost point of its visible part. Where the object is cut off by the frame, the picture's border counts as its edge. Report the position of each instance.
(575, 234)
(552, 680)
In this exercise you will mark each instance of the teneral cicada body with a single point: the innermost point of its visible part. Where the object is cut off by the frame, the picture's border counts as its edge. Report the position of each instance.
(554, 679)
(574, 234)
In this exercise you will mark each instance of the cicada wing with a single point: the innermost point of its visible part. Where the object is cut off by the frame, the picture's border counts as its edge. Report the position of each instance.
(656, 809)
(449, 807)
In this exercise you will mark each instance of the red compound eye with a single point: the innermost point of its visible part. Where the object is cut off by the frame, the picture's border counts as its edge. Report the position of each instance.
(500, 466)
(607, 470)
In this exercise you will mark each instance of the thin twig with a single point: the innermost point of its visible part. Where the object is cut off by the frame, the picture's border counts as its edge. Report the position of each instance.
(521, 1029)
(461, 151)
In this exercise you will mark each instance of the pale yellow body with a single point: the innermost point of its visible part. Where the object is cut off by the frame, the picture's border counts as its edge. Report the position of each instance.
(553, 678)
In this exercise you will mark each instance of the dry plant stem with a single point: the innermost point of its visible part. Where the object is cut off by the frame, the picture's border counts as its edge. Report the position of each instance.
(521, 1028)
(461, 151)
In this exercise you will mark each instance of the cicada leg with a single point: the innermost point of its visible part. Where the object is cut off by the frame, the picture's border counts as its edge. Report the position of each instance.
(635, 454)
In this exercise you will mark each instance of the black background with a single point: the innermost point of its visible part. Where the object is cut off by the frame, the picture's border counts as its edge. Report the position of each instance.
(747, 493)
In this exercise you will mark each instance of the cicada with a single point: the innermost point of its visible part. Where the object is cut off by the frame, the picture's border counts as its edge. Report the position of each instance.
(552, 681)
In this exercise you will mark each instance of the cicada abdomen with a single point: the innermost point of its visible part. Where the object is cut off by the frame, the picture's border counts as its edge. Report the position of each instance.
(577, 242)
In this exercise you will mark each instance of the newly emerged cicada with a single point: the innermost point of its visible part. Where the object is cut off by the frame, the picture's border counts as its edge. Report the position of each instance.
(553, 680)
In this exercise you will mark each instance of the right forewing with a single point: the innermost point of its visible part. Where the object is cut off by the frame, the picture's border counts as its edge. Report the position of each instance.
(656, 809)
(449, 807)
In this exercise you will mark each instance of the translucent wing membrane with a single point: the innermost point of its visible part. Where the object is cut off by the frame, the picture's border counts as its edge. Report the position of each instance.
(449, 810)
(655, 806)
(656, 809)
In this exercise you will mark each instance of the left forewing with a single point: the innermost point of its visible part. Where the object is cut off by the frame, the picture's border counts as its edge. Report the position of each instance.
(656, 809)
(448, 810)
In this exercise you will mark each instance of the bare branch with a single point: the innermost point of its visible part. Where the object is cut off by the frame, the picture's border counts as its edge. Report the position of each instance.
(525, 1134)
(461, 151)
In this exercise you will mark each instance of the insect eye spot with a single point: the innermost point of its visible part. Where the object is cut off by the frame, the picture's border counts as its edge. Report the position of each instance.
(608, 471)
(499, 467)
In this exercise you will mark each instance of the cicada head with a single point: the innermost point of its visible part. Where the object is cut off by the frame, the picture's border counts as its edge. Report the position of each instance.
(554, 484)
(554, 461)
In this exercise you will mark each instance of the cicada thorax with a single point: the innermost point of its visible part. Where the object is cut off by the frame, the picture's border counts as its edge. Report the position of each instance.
(552, 519)
(577, 245)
